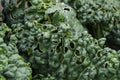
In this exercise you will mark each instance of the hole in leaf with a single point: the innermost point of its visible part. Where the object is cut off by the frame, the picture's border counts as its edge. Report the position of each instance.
(60, 44)
(65, 35)
(37, 48)
(72, 45)
(89, 12)
(44, 27)
(93, 7)
(42, 35)
(59, 47)
(55, 42)
(29, 4)
(52, 50)
(66, 49)
(55, 31)
(67, 9)
(77, 52)
(106, 65)
(78, 62)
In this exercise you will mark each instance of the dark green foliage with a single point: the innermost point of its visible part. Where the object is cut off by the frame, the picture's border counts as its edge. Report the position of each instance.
(99, 16)
(113, 39)
(55, 44)
(12, 65)
(38, 39)
(11, 10)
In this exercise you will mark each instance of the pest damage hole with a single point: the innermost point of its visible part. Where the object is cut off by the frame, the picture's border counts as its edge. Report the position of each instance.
(29, 4)
(72, 45)
(89, 12)
(55, 31)
(77, 52)
(51, 50)
(106, 65)
(66, 49)
(44, 27)
(42, 35)
(67, 9)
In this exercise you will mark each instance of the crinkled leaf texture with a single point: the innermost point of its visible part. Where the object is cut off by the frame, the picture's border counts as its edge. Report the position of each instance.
(12, 65)
(60, 51)
(99, 16)
(56, 45)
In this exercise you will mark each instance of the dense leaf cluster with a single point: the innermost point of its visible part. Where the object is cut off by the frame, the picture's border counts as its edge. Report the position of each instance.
(100, 17)
(12, 65)
(49, 40)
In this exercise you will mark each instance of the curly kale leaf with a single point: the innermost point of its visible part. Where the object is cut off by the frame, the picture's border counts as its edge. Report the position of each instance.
(57, 46)
(12, 65)
(66, 56)
(98, 16)
(101, 17)
(13, 11)
(81, 58)
(44, 25)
